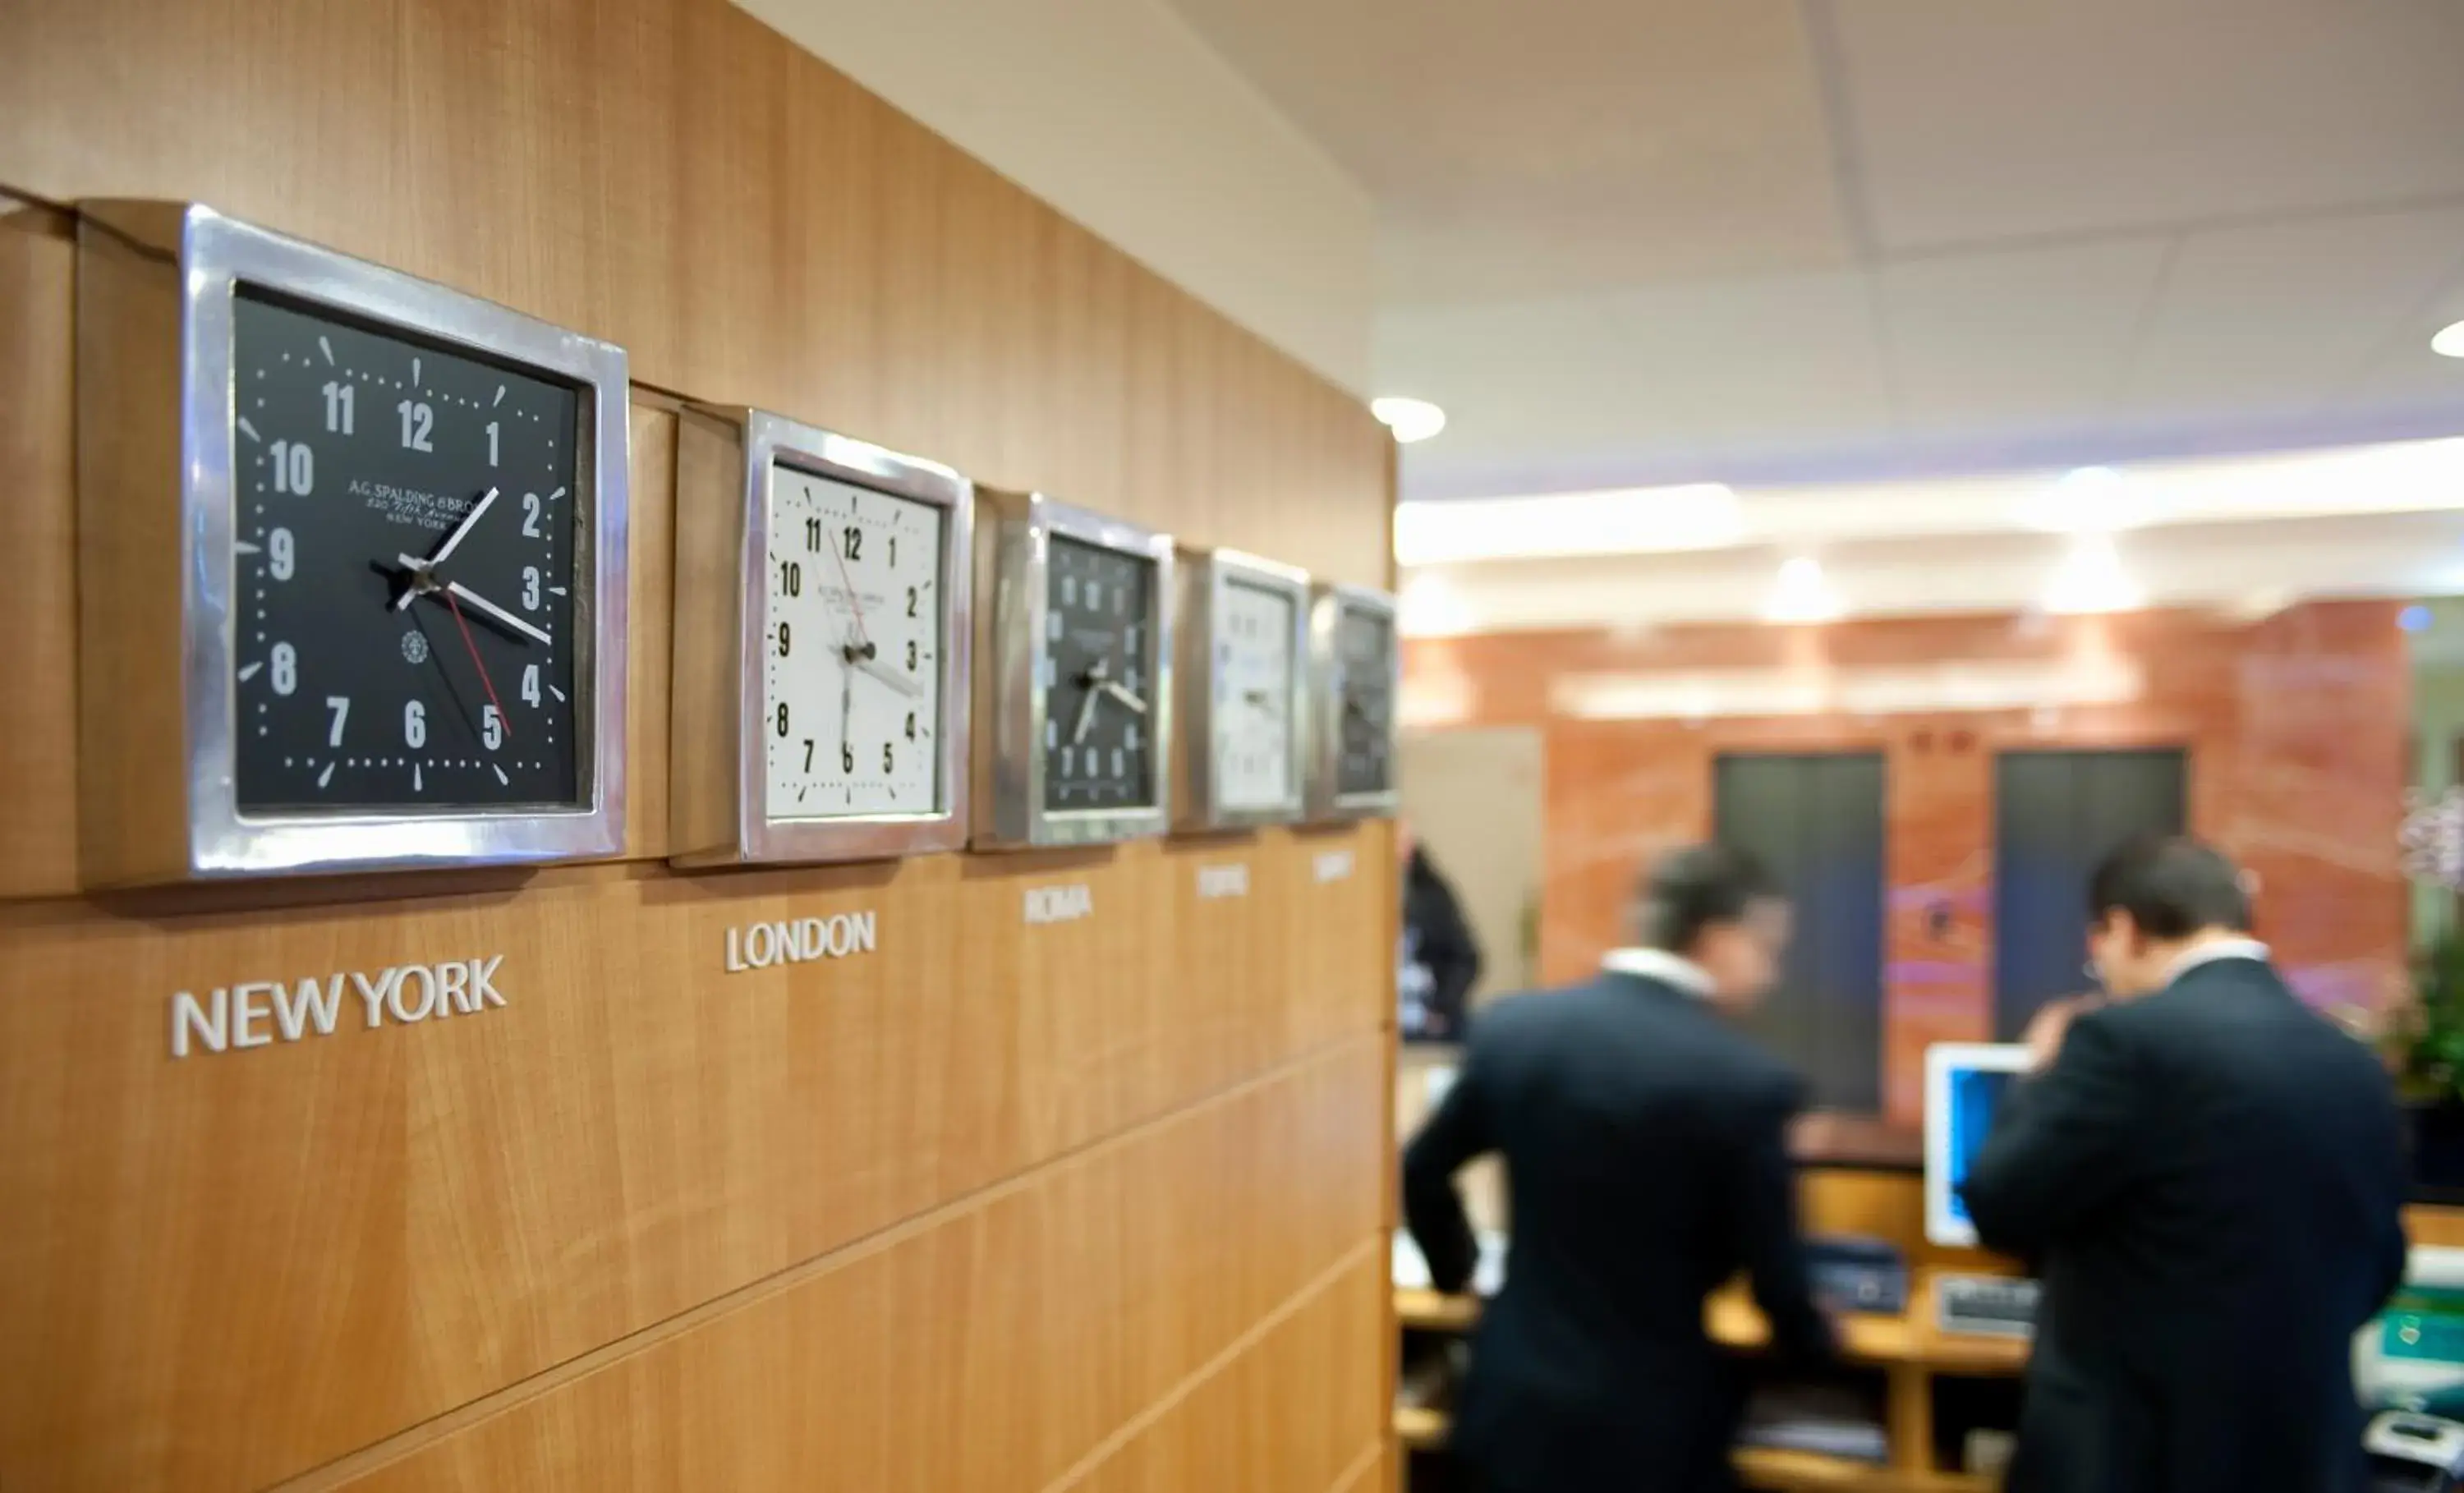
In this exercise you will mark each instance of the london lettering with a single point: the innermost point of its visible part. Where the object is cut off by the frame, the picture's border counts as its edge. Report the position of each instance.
(797, 940)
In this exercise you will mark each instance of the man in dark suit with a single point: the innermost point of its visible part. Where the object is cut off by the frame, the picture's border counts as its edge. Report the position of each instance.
(2209, 1176)
(1645, 1145)
(1439, 961)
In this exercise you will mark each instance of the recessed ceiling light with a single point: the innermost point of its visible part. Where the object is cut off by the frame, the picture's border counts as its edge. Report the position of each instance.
(1410, 419)
(1803, 594)
(2449, 340)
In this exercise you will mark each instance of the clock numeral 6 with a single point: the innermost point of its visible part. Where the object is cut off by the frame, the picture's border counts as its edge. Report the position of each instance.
(847, 757)
(492, 726)
(414, 725)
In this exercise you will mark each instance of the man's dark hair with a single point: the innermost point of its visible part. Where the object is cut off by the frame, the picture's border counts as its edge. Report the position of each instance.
(1690, 890)
(2171, 886)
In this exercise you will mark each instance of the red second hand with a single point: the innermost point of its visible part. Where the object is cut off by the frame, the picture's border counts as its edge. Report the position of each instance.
(504, 722)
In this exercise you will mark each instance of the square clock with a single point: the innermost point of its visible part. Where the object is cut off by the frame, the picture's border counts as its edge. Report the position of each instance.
(821, 695)
(1076, 699)
(1243, 633)
(1355, 674)
(351, 559)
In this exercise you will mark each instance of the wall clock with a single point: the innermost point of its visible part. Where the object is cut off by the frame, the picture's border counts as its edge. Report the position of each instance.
(1356, 675)
(352, 563)
(1078, 698)
(822, 609)
(1243, 680)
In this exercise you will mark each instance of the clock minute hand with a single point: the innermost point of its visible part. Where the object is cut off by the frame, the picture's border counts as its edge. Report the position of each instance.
(453, 540)
(895, 678)
(1124, 696)
(497, 612)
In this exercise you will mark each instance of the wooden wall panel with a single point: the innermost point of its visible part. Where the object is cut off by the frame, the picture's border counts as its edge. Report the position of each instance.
(1285, 1411)
(999, 1343)
(982, 1208)
(38, 672)
(461, 1203)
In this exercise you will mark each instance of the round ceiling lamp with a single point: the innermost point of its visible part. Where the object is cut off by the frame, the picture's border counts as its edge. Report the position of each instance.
(1409, 419)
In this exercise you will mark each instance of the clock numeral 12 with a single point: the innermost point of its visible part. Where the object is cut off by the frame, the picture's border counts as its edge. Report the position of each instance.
(417, 420)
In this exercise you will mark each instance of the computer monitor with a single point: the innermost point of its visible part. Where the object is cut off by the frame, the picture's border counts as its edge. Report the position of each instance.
(1963, 1087)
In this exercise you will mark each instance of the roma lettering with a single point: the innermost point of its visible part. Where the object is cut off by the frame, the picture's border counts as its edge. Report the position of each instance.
(1222, 881)
(260, 1013)
(1060, 904)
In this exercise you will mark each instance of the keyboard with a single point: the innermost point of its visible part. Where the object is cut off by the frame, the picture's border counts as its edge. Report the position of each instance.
(1993, 1305)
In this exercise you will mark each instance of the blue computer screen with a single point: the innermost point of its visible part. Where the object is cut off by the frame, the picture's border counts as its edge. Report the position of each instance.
(1976, 1094)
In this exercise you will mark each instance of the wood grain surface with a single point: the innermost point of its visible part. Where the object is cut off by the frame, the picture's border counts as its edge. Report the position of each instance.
(989, 1206)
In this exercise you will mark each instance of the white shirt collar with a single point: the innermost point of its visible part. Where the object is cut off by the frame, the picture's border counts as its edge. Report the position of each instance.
(1669, 969)
(2209, 953)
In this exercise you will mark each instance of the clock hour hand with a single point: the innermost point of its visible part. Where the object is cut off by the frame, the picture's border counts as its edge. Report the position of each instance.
(497, 612)
(423, 572)
(1085, 718)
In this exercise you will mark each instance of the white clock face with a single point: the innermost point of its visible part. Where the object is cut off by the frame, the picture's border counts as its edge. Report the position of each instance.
(1254, 660)
(852, 651)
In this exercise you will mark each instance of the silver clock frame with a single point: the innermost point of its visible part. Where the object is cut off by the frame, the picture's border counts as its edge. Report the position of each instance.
(1326, 688)
(1010, 812)
(771, 442)
(204, 257)
(1207, 578)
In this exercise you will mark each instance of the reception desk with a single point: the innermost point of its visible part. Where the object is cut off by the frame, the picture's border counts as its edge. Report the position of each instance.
(1907, 1349)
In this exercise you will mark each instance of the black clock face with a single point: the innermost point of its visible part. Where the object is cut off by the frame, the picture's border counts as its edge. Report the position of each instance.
(1098, 690)
(407, 576)
(1364, 642)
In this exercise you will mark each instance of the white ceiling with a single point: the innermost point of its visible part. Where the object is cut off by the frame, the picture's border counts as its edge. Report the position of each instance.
(1650, 241)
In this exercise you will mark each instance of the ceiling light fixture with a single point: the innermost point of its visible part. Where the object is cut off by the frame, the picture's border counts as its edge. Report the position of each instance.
(2086, 500)
(2090, 578)
(1631, 521)
(2447, 341)
(1409, 419)
(1803, 594)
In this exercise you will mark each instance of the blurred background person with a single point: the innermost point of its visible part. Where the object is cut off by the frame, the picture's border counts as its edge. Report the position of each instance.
(2209, 1179)
(1439, 961)
(1646, 1163)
